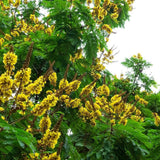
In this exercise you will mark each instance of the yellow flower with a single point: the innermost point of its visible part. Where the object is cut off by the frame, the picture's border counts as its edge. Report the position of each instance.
(32, 17)
(88, 106)
(74, 103)
(10, 1)
(52, 156)
(21, 101)
(116, 98)
(137, 97)
(14, 33)
(63, 98)
(84, 113)
(123, 121)
(72, 86)
(9, 60)
(53, 78)
(2, 117)
(29, 129)
(97, 113)
(77, 55)
(97, 2)
(134, 56)
(96, 75)
(114, 15)
(139, 56)
(49, 101)
(156, 119)
(27, 39)
(96, 106)
(5, 82)
(87, 89)
(49, 31)
(107, 28)
(63, 83)
(89, 2)
(22, 77)
(49, 139)
(138, 112)
(17, 3)
(103, 90)
(45, 124)
(35, 87)
(1, 41)
(7, 37)
(106, 3)
(1, 109)
(112, 121)
(34, 156)
(98, 67)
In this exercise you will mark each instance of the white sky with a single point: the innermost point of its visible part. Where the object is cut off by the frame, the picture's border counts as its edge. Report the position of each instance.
(140, 35)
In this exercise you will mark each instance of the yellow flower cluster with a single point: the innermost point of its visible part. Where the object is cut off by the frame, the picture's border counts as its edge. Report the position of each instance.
(49, 30)
(21, 101)
(99, 12)
(9, 60)
(63, 84)
(1, 41)
(49, 139)
(22, 77)
(11, 3)
(23, 27)
(74, 103)
(53, 78)
(122, 111)
(103, 90)
(7, 37)
(14, 33)
(29, 129)
(35, 87)
(34, 156)
(3, 6)
(115, 9)
(130, 1)
(107, 57)
(97, 2)
(138, 56)
(72, 86)
(106, 3)
(90, 112)
(107, 28)
(95, 75)
(5, 87)
(33, 18)
(1, 109)
(98, 66)
(141, 100)
(157, 119)
(46, 104)
(89, 2)
(45, 124)
(87, 89)
(77, 55)
(53, 156)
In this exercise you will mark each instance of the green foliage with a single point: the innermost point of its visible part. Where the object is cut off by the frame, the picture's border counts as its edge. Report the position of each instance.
(15, 142)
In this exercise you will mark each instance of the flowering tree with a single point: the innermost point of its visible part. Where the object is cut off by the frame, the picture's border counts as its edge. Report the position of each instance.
(57, 99)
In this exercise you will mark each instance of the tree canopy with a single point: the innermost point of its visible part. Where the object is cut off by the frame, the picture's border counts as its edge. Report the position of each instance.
(57, 98)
